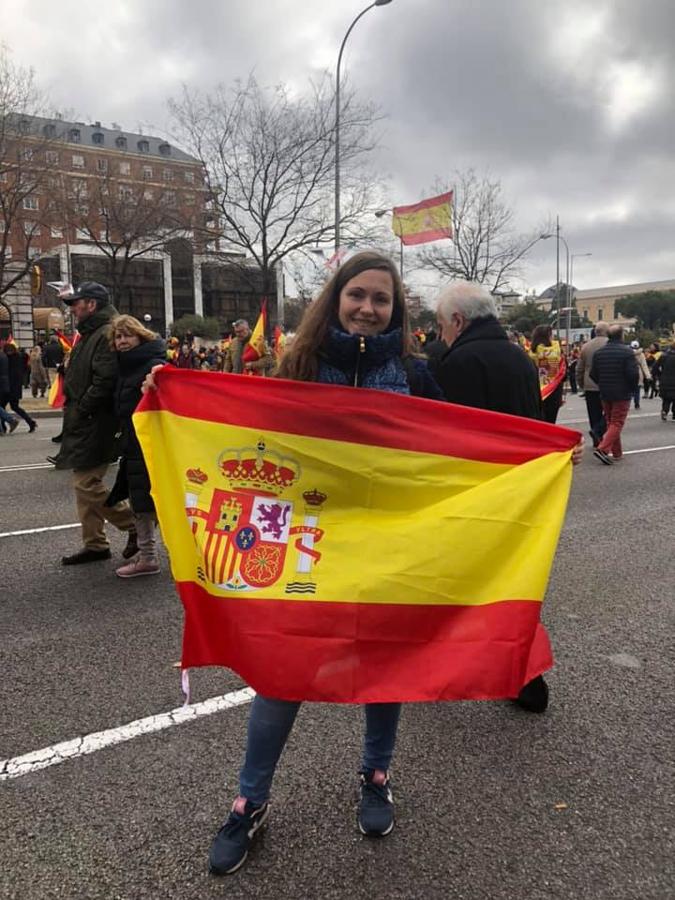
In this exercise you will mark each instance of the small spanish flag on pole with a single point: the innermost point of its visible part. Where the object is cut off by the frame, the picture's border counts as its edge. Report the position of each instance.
(428, 220)
(256, 347)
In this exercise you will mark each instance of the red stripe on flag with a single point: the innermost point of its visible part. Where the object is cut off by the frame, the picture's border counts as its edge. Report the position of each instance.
(422, 237)
(339, 413)
(423, 204)
(309, 650)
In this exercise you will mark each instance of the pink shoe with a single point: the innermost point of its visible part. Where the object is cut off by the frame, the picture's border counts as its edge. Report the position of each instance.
(137, 567)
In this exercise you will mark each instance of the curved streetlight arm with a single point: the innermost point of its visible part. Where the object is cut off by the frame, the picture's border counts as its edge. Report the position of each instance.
(337, 124)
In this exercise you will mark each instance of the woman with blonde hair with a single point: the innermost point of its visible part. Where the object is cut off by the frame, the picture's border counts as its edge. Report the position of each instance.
(138, 351)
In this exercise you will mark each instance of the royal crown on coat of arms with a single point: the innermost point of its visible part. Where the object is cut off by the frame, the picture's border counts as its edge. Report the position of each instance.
(258, 469)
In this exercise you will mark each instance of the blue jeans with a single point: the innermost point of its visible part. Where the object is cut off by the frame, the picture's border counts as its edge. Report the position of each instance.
(270, 724)
(596, 416)
(5, 417)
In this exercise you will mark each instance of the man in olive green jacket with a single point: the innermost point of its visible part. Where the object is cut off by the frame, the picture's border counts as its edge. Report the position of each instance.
(233, 360)
(90, 425)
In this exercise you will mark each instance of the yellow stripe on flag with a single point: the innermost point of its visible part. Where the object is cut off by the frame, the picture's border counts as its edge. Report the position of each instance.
(417, 528)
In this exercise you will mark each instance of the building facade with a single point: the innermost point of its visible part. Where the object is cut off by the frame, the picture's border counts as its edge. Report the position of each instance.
(600, 303)
(128, 210)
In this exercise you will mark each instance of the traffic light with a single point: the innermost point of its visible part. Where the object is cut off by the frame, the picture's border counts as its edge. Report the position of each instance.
(35, 280)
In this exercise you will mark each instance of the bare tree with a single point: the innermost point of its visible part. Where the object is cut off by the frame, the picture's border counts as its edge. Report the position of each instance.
(269, 158)
(24, 169)
(123, 219)
(485, 247)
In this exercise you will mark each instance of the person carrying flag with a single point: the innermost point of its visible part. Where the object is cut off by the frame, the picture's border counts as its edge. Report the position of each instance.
(356, 334)
(248, 352)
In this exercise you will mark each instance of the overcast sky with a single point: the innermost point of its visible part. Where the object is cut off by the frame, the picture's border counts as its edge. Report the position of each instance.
(571, 106)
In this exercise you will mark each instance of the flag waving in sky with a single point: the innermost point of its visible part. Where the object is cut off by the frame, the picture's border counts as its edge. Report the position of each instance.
(428, 220)
(341, 545)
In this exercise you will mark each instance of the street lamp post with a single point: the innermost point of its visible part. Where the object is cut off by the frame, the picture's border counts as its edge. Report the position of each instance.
(567, 281)
(337, 119)
(382, 212)
(570, 294)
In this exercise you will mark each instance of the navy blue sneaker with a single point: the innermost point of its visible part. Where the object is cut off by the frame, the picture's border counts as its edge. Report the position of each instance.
(231, 845)
(376, 807)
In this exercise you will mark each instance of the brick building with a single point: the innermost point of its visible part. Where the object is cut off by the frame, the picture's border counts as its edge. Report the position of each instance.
(95, 193)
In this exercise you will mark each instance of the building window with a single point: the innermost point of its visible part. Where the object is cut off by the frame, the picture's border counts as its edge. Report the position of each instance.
(125, 168)
(78, 187)
(3, 227)
(78, 161)
(34, 252)
(190, 199)
(126, 192)
(82, 234)
(165, 149)
(600, 314)
(169, 198)
(52, 157)
(8, 251)
(30, 229)
(189, 177)
(121, 142)
(167, 175)
(148, 195)
(30, 203)
(102, 165)
(3, 176)
(103, 235)
(143, 146)
(98, 137)
(56, 232)
(74, 135)
(147, 173)
(49, 131)
(26, 155)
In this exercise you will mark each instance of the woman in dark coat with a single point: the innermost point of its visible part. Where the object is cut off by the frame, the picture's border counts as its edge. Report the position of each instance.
(138, 350)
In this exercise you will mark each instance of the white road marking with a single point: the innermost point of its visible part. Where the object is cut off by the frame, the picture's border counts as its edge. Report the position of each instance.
(4, 534)
(99, 740)
(631, 418)
(28, 468)
(649, 449)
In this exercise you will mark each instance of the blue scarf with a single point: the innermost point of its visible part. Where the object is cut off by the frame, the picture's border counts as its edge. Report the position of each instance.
(378, 366)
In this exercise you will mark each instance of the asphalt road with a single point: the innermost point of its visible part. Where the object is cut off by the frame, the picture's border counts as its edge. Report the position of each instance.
(491, 802)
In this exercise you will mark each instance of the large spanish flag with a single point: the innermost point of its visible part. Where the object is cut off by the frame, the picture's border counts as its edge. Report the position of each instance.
(341, 544)
(428, 220)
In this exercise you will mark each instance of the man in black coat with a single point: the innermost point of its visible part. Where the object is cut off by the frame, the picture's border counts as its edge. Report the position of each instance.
(90, 425)
(482, 368)
(615, 371)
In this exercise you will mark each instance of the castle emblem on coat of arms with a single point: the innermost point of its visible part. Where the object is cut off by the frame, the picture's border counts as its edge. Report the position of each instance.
(243, 531)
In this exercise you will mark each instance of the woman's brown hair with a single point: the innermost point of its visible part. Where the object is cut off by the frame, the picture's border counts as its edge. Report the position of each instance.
(129, 325)
(541, 335)
(300, 361)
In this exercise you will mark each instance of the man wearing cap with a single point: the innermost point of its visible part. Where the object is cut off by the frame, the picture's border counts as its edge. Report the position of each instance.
(90, 426)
